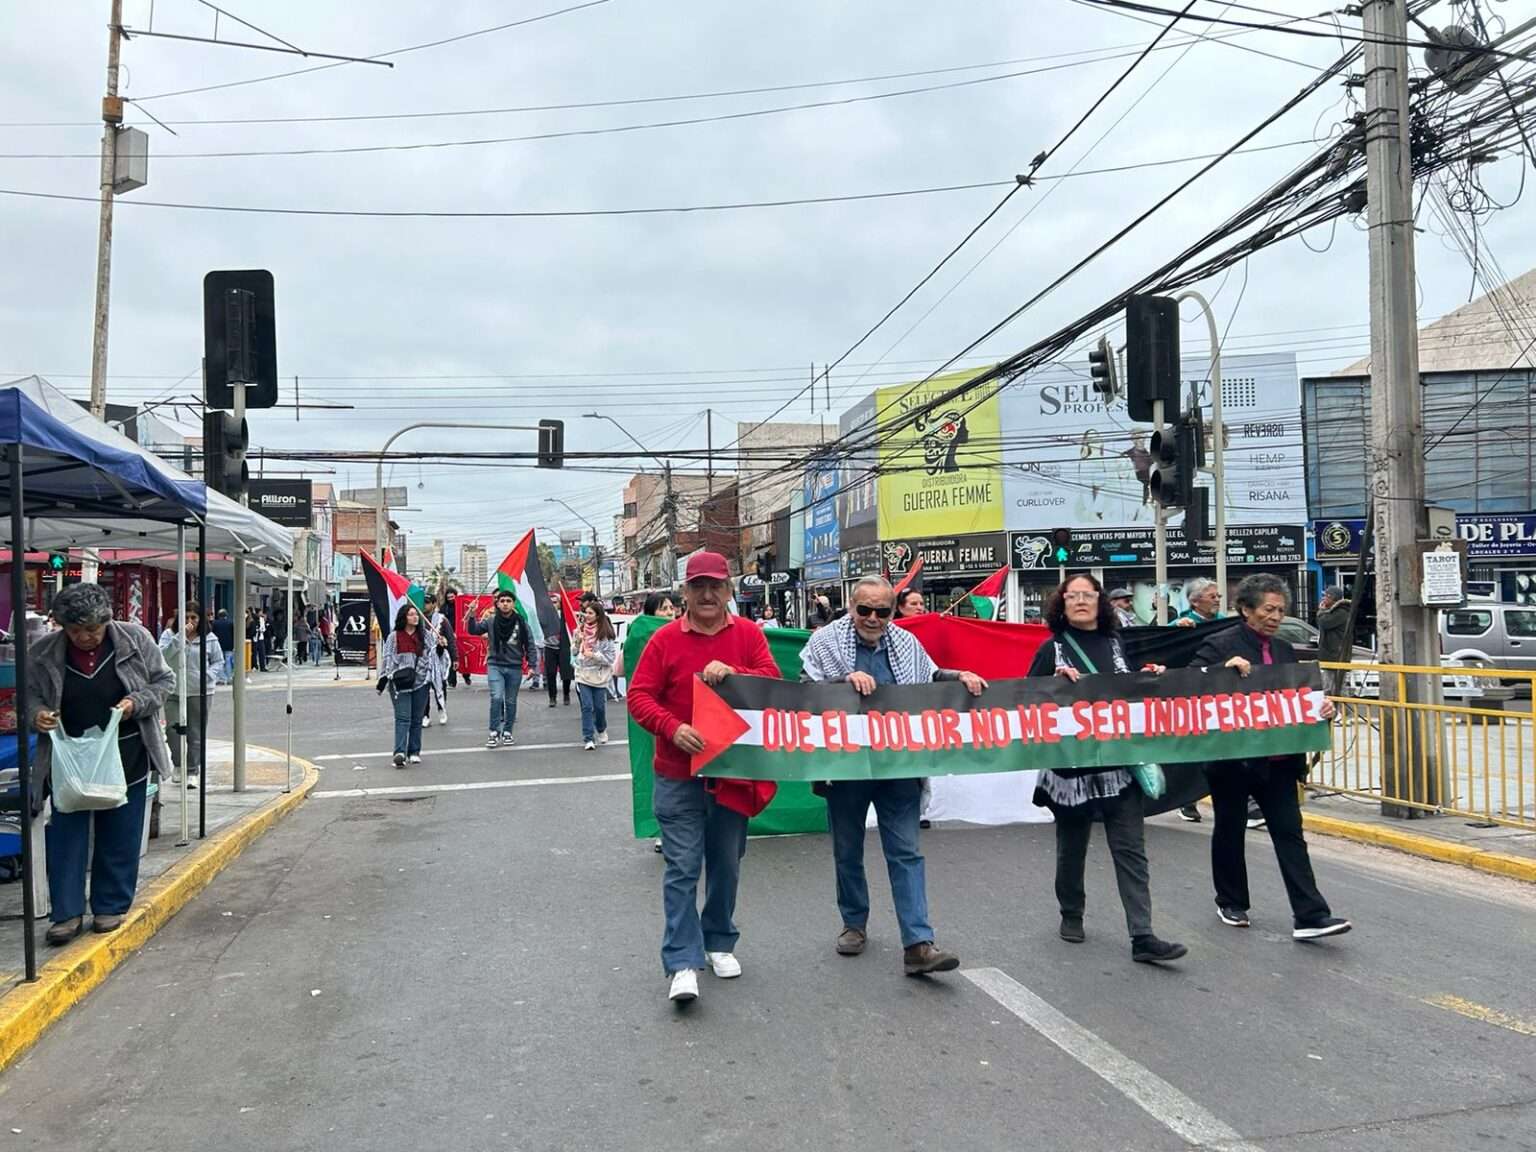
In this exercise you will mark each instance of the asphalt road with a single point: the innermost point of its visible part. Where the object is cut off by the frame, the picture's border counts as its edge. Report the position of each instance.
(477, 968)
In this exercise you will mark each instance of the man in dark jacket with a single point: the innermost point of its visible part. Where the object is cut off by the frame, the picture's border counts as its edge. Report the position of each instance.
(1333, 642)
(224, 632)
(1261, 601)
(510, 646)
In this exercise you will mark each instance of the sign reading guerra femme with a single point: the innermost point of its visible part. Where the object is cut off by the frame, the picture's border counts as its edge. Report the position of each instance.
(763, 729)
(940, 473)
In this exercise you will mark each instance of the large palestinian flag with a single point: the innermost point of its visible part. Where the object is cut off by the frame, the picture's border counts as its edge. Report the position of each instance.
(521, 575)
(387, 590)
(986, 595)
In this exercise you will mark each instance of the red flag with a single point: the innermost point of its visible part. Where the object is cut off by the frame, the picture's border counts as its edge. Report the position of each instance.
(909, 577)
(992, 650)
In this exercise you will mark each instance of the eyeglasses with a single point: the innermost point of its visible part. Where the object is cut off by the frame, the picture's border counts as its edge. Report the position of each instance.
(867, 610)
(1080, 596)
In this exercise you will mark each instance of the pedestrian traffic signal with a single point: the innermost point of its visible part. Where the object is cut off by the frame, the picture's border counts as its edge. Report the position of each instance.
(239, 338)
(551, 443)
(1197, 518)
(1061, 545)
(57, 560)
(1176, 455)
(1151, 356)
(225, 440)
(1104, 370)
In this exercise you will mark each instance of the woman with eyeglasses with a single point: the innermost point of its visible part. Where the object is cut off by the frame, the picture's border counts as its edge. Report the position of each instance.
(1085, 642)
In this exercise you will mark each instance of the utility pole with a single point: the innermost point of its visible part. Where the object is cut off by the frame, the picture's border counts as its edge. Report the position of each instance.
(112, 118)
(237, 613)
(1407, 633)
(1159, 536)
(1218, 443)
(709, 451)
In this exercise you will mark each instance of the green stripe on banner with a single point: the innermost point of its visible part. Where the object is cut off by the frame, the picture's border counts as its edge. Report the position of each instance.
(794, 811)
(771, 730)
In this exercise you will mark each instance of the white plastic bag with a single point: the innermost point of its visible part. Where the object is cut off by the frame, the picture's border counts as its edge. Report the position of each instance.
(87, 771)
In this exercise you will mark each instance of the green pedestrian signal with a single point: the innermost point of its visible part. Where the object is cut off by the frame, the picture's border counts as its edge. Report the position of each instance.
(56, 561)
(1061, 545)
(1062, 555)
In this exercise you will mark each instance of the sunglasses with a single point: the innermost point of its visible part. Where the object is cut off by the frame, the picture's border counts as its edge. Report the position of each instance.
(871, 610)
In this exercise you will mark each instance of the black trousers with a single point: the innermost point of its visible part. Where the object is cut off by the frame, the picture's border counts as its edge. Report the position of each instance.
(1124, 830)
(554, 668)
(1273, 787)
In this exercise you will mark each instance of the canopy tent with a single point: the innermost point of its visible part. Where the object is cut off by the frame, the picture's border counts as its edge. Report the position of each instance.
(89, 486)
(74, 482)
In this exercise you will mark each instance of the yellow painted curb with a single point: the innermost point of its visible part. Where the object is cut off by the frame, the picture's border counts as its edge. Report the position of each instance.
(1495, 863)
(29, 1010)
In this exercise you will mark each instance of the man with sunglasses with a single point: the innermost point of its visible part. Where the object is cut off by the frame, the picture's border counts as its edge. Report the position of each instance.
(863, 650)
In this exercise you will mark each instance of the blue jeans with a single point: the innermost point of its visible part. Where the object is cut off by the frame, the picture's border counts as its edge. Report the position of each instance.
(114, 864)
(594, 710)
(504, 680)
(229, 668)
(314, 647)
(696, 835)
(896, 807)
(410, 707)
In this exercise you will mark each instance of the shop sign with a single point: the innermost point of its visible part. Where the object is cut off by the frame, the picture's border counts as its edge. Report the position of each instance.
(940, 471)
(1489, 536)
(858, 486)
(864, 561)
(753, 581)
(982, 553)
(820, 519)
(1258, 544)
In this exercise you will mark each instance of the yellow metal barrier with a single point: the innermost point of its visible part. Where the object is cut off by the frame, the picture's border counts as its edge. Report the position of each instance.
(1457, 740)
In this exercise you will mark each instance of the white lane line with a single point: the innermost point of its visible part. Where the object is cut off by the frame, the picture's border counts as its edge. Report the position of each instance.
(456, 751)
(1144, 1088)
(470, 786)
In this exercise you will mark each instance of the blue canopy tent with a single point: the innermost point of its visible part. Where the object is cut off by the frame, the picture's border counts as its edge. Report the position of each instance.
(74, 482)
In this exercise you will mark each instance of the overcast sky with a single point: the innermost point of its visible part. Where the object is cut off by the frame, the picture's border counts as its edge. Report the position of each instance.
(648, 318)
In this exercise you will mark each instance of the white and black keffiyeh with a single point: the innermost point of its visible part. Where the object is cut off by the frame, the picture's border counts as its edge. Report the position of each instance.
(831, 652)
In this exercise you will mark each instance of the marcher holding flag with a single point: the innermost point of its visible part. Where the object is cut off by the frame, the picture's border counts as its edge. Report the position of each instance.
(1085, 643)
(509, 647)
(863, 650)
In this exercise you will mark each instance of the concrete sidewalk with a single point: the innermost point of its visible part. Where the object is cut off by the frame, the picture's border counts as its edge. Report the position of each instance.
(170, 874)
(1498, 849)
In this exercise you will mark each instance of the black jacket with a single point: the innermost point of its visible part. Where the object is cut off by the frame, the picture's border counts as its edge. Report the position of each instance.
(1245, 642)
(517, 651)
(1332, 643)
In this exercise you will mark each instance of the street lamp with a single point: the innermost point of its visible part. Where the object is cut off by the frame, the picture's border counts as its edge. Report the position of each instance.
(668, 505)
(597, 551)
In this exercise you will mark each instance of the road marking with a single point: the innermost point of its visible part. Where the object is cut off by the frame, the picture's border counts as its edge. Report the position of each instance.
(458, 751)
(1144, 1088)
(469, 786)
(1474, 1011)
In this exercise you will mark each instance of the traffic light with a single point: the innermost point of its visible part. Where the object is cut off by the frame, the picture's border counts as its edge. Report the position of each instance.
(239, 338)
(1176, 455)
(57, 561)
(1151, 356)
(224, 443)
(1061, 545)
(1105, 372)
(1197, 517)
(551, 443)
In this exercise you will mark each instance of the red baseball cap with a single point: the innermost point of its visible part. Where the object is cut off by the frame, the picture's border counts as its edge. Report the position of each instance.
(706, 566)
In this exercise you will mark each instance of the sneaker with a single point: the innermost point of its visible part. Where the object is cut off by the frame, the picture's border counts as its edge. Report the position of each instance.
(685, 986)
(851, 941)
(602, 737)
(1255, 816)
(551, 701)
(507, 740)
(493, 740)
(1072, 929)
(656, 847)
(1233, 917)
(1190, 813)
(1150, 950)
(724, 964)
(1317, 929)
(443, 719)
(588, 746)
(923, 958)
(415, 759)
(925, 823)
(399, 759)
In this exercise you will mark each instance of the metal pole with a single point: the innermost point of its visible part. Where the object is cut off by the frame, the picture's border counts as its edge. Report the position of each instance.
(288, 652)
(202, 715)
(1160, 535)
(1218, 445)
(23, 712)
(709, 451)
(1406, 631)
(112, 116)
(237, 704)
(182, 685)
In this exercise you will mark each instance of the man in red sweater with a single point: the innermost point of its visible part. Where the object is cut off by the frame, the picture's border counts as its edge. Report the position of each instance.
(696, 832)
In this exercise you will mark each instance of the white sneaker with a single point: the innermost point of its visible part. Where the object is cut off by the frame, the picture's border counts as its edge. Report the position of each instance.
(588, 746)
(602, 737)
(415, 759)
(685, 986)
(442, 719)
(724, 964)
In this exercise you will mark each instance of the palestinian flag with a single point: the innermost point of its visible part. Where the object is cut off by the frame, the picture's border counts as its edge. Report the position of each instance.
(387, 560)
(521, 575)
(986, 595)
(387, 590)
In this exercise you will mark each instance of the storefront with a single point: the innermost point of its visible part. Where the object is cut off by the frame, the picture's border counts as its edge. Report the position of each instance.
(1501, 553)
(951, 566)
(1126, 557)
(821, 564)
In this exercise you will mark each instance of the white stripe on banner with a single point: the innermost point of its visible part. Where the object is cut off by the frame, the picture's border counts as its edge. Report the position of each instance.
(771, 728)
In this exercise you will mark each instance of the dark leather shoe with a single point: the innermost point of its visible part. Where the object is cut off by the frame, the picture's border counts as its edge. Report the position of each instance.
(1072, 929)
(921, 959)
(851, 942)
(64, 931)
(1151, 950)
(110, 923)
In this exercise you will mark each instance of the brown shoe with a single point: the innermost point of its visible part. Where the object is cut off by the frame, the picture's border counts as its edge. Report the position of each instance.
(921, 959)
(108, 923)
(851, 942)
(64, 931)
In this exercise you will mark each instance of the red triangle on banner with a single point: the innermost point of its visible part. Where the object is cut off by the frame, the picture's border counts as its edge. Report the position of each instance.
(716, 721)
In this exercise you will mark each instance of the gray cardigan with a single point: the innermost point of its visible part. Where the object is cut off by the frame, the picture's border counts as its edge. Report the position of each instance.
(141, 667)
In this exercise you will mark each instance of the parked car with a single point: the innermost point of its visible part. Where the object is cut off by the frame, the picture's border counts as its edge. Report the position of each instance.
(1303, 637)
(1490, 635)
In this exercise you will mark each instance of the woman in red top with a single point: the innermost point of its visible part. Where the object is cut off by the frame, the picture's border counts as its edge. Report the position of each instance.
(697, 834)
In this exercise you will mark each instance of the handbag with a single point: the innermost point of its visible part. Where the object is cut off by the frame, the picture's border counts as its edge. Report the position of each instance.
(1149, 777)
(404, 679)
(87, 774)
